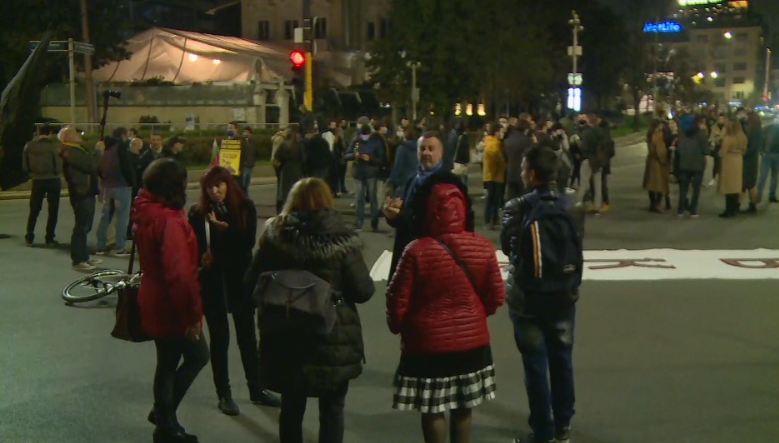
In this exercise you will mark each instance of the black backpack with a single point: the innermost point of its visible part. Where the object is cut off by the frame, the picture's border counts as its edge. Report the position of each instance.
(550, 259)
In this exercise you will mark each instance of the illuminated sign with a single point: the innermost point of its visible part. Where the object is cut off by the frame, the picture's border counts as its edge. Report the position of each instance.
(699, 2)
(663, 27)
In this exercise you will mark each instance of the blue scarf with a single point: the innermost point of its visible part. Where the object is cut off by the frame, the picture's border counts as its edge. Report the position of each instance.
(422, 175)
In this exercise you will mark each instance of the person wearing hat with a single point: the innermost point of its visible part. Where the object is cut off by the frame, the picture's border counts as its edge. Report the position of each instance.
(173, 149)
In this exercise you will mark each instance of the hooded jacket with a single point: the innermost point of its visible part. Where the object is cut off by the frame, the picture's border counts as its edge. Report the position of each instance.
(692, 148)
(321, 243)
(169, 295)
(431, 302)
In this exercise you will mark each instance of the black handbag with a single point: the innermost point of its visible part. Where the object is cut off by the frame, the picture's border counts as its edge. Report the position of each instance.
(128, 312)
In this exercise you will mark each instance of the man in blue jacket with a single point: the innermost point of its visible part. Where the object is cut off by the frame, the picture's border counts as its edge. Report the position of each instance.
(368, 155)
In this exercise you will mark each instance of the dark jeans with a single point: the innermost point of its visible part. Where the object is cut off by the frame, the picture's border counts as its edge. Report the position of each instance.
(576, 174)
(342, 178)
(687, 178)
(604, 188)
(246, 179)
(215, 310)
(172, 381)
(331, 416)
(547, 341)
(84, 210)
(50, 189)
(717, 166)
(494, 202)
(513, 190)
(367, 188)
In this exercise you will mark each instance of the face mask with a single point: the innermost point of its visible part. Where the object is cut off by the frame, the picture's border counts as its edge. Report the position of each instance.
(365, 137)
(230, 133)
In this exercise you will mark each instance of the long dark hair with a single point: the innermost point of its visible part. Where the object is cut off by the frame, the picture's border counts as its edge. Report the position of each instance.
(166, 178)
(235, 200)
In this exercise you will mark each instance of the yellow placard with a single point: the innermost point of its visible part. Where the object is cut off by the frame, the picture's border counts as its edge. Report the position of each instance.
(230, 156)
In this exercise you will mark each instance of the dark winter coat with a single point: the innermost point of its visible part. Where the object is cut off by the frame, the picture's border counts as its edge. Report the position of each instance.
(291, 158)
(232, 253)
(431, 301)
(320, 243)
(408, 223)
(752, 157)
(318, 157)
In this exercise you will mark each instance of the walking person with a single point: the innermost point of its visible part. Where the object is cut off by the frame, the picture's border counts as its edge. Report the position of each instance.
(225, 223)
(692, 147)
(657, 170)
(41, 159)
(731, 176)
(289, 161)
(447, 283)
(118, 178)
(754, 135)
(80, 171)
(494, 176)
(543, 241)
(769, 164)
(311, 235)
(169, 296)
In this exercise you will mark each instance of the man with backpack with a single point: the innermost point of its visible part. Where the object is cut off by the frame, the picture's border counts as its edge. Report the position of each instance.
(542, 236)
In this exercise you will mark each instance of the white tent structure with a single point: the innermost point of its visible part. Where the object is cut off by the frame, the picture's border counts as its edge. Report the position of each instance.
(186, 57)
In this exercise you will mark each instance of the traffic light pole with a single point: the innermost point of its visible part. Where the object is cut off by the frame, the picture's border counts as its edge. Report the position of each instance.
(309, 95)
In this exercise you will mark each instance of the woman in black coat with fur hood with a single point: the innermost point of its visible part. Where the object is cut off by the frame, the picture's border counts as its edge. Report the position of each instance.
(310, 235)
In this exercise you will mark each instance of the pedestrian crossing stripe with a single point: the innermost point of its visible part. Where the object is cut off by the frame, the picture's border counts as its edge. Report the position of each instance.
(655, 264)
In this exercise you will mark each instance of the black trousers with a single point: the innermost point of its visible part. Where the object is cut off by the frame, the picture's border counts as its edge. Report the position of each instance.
(171, 380)
(494, 203)
(331, 416)
(84, 211)
(50, 189)
(216, 313)
(732, 204)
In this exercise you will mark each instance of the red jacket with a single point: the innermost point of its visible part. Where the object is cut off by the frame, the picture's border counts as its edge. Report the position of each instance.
(169, 296)
(430, 301)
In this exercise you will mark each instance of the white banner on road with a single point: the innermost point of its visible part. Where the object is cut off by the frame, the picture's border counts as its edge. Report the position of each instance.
(656, 264)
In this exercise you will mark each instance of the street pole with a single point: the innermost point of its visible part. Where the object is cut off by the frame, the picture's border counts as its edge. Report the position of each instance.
(576, 22)
(72, 66)
(575, 51)
(414, 90)
(90, 84)
(656, 87)
(309, 93)
(766, 89)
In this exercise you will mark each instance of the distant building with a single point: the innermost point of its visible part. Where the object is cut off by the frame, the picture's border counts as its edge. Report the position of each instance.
(187, 15)
(342, 25)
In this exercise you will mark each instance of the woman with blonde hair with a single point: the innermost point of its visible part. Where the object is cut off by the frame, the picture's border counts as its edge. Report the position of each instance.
(311, 236)
(731, 152)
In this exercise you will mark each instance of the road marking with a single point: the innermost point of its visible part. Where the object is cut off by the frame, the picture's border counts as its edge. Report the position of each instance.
(656, 264)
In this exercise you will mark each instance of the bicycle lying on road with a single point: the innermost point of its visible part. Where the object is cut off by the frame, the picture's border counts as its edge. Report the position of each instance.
(98, 285)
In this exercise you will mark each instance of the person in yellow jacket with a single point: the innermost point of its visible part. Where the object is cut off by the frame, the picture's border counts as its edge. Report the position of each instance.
(494, 175)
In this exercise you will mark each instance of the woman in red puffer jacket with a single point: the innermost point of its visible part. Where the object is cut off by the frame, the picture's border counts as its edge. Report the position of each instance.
(446, 285)
(169, 296)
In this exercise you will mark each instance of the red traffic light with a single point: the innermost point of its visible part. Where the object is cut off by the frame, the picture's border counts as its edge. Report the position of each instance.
(298, 58)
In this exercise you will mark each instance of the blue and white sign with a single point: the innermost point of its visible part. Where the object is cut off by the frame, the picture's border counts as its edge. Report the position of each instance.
(667, 27)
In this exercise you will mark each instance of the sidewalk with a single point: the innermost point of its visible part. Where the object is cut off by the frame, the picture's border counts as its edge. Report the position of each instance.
(263, 175)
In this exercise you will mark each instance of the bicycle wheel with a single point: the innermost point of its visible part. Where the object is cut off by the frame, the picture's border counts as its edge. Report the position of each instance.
(93, 286)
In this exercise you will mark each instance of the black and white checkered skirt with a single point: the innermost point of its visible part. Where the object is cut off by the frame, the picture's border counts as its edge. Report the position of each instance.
(436, 389)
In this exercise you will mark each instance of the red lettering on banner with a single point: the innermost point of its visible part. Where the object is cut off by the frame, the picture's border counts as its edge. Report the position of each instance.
(617, 263)
(759, 263)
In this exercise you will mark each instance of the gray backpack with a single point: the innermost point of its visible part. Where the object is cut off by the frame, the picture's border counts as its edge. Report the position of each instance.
(296, 301)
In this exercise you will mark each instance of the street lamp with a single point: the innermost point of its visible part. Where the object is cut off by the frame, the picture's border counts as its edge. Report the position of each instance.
(728, 35)
(414, 90)
(714, 74)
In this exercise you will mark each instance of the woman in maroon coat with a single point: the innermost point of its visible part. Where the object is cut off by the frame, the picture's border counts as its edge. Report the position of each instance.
(169, 296)
(446, 285)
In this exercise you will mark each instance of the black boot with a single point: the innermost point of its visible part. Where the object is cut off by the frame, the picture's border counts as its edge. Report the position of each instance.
(153, 420)
(752, 210)
(264, 397)
(177, 436)
(227, 405)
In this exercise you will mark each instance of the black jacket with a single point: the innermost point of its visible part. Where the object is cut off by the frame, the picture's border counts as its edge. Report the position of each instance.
(510, 233)
(515, 145)
(320, 243)
(232, 253)
(409, 223)
(318, 157)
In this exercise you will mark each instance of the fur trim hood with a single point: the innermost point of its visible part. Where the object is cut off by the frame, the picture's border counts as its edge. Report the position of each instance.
(312, 236)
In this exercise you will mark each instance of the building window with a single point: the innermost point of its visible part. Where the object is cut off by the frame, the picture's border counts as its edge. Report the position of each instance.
(739, 95)
(740, 52)
(720, 53)
(371, 31)
(742, 37)
(719, 82)
(703, 38)
(739, 80)
(320, 29)
(289, 29)
(739, 66)
(384, 27)
(720, 68)
(263, 32)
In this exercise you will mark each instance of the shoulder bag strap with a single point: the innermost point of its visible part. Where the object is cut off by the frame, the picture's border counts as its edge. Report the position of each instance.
(461, 264)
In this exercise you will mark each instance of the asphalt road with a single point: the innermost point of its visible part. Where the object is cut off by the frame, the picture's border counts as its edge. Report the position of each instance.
(667, 361)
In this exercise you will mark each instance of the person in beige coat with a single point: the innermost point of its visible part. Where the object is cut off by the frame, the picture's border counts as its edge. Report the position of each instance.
(657, 171)
(715, 137)
(731, 153)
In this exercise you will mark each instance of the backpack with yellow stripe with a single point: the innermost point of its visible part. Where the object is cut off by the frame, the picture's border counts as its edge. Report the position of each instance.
(550, 259)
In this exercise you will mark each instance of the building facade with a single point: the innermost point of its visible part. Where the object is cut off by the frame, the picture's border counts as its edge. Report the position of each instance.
(341, 25)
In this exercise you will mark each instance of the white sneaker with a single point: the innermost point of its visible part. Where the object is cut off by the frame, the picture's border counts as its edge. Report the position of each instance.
(712, 182)
(121, 253)
(94, 261)
(83, 267)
